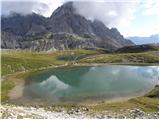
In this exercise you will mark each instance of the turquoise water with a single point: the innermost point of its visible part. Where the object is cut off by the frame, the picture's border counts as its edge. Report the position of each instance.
(83, 83)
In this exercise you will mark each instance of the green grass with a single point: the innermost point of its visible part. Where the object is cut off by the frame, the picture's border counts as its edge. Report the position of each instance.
(138, 48)
(144, 57)
(145, 103)
(21, 60)
(153, 93)
(6, 86)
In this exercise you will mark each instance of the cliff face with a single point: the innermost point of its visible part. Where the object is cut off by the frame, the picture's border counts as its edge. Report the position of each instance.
(65, 29)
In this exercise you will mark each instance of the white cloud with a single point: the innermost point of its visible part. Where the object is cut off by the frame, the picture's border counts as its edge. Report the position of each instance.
(145, 20)
(25, 7)
(142, 32)
(52, 5)
(111, 12)
(43, 7)
(150, 7)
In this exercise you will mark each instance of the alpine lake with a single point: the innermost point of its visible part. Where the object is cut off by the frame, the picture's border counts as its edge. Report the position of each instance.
(79, 84)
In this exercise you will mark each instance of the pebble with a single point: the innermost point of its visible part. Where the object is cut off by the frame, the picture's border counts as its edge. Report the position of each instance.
(109, 117)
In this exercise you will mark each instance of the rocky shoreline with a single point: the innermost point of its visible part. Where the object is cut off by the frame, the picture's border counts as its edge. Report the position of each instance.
(9, 111)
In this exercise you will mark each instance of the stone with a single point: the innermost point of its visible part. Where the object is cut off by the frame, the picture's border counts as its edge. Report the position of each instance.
(85, 109)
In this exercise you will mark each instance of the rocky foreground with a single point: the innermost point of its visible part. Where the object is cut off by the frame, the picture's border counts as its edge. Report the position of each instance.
(19, 112)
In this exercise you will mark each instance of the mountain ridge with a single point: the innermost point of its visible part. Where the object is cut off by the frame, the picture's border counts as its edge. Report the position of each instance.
(145, 40)
(35, 32)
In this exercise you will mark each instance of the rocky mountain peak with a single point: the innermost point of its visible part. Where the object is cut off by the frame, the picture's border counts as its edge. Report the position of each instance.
(39, 33)
(65, 9)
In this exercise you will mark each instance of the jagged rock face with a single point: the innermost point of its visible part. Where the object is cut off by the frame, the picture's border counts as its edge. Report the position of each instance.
(64, 19)
(10, 41)
(19, 25)
(65, 29)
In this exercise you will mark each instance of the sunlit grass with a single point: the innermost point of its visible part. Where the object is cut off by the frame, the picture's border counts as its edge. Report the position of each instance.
(144, 57)
(147, 104)
(23, 60)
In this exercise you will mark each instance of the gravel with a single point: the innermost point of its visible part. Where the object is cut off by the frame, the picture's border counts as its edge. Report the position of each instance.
(8, 111)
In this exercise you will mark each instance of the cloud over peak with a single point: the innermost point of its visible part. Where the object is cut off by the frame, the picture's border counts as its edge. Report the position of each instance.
(110, 13)
(23, 7)
(122, 14)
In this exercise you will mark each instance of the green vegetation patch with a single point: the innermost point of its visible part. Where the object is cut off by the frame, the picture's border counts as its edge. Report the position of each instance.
(73, 55)
(153, 93)
(145, 57)
(147, 104)
(138, 48)
(6, 86)
(22, 60)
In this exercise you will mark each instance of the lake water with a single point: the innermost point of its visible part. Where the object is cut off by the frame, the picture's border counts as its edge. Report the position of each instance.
(91, 83)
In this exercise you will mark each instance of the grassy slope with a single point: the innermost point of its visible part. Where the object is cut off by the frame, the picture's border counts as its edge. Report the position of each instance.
(19, 61)
(148, 103)
(144, 57)
(138, 48)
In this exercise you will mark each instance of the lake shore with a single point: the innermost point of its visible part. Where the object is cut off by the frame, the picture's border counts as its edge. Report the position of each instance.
(147, 107)
(19, 77)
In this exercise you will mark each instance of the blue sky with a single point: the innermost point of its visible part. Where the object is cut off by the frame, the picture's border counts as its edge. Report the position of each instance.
(131, 17)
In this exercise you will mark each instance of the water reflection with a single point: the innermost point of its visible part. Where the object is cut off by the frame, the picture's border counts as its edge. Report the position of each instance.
(89, 82)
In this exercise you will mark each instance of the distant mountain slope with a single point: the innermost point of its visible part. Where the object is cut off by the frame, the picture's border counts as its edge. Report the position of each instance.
(145, 40)
(65, 29)
(138, 48)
